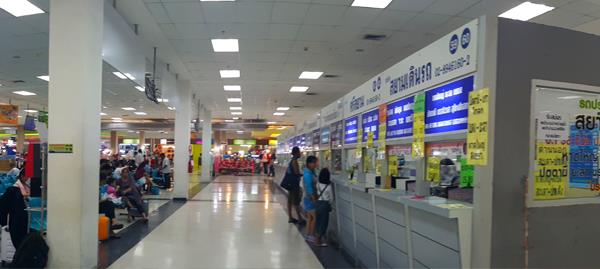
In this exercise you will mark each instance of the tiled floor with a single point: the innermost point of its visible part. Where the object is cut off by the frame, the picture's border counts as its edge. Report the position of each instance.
(234, 222)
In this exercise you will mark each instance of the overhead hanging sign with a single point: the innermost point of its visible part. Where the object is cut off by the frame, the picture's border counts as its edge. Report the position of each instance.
(9, 114)
(451, 56)
(400, 118)
(351, 130)
(448, 107)
(477, 134)
(370, 124)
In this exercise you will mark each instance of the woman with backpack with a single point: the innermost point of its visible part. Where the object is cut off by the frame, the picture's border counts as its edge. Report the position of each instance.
(323, 206)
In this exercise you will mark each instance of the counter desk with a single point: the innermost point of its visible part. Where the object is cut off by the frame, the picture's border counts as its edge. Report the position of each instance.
(392, 229)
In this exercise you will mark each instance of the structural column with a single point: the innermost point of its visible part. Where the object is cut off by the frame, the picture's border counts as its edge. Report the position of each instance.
(114, 142)
(75, 66)
(206, 145)
(20, 139)
(142, 141)
(183, 118)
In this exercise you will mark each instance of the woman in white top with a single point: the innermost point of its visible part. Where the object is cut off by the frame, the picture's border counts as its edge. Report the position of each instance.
(323, 205)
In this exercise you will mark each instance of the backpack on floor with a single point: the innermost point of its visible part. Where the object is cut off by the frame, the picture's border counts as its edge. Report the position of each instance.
(32, 253)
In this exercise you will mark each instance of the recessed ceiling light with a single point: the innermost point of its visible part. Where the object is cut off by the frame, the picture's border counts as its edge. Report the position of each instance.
(235, 108)
(234, 100)
(271, 122)
(24, 93)
(371, 3)
(116, 118)
(232, 88)
(30, 111)
(235, 118)
(310, 75)
(128, 108)
(228, 120)
(46, 77)
(526, 11)
(171, 108)
(283, 108)
(120, 75)
(140, 113)
(140, 88)
(225, 45)
(20, 8)
(162, 100)
(236, 113)
(129, 76)
(278, 114)
(299, 89)
(102, 114)
(230, 73)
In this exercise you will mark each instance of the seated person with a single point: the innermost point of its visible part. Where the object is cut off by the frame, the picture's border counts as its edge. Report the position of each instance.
(107, 205)
(130, 191)
(24, 184)
(14, 171)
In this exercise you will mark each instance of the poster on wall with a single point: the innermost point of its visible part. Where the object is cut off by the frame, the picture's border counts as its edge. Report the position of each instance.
(9, 114)
(418, 145)
(448, 107)
(351, 130)
(477, 133)
(370, 125)
(400, 118)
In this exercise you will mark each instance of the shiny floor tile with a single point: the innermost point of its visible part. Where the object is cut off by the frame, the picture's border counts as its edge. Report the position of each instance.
(247, 231)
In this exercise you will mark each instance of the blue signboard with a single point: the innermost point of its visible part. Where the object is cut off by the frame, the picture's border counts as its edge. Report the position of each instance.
(351, 130)
(370, 124)
(400, 118)
(316, 138)
(297, 141)
(447, 107)
(303, 141)
(583, 148)
(325, 136)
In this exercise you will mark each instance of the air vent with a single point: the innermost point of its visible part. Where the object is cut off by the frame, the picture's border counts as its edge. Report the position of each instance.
(311, 93)
(374, 37)
(331, 76)
(18, 81)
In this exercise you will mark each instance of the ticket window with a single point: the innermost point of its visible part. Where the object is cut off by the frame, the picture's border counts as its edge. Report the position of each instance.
(336, 160)
(352, 164)
(447, 172)
(401, 167)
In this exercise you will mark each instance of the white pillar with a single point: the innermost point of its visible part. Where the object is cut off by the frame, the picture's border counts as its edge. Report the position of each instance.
(75, 66)
(142, 141)
(183, 117)
(114, 142)
(206, 145)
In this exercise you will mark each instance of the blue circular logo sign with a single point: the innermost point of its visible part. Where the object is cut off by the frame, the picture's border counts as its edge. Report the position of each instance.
(453, 44)
(465, 38)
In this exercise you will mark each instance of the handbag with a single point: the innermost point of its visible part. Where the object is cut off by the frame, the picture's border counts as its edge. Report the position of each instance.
(322, 205)
(290, 182)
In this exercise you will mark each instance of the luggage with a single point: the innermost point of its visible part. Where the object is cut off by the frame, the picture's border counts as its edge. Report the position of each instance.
(7, 250)
(32, 253)
(155, 190)
(103, 228)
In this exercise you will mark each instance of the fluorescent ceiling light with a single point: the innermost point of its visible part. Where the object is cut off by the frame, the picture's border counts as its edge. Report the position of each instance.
(230, 73)
(141, 113)
(235, 118)
(240, 132)
(278, 114)
(120, 75)
(234, 100)
(171, 108)
(310, 75)
(140, 88)
(236, 113)
(225, 45)
(232, 88)
(128, 108)
(30, 111)
(228, 120)
(46, 77)
(371, 3)
(299, 89)
(271, 122)
(20, 8)
(129, 76)
(235, 108)
(116, 118)
(161, 100)
(526, 11)
(569, 97)
(102, 114)
(24, 93)
(283, 108)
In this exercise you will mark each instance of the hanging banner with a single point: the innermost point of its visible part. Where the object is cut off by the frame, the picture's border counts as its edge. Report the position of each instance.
(418, 145)
(433, 169)
(9, 114)
(370, 140)
(382, 126)
(392, 165)
(477, 133)
(359, 144)
(552, 170)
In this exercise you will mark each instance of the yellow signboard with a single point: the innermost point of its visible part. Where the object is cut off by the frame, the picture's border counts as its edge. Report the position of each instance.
(477, 136)
(418, 145)
(392, 165)
(433, 169)
(60, 148)
(370, 140)
(382, 134)
(552, 170)
(359, 138)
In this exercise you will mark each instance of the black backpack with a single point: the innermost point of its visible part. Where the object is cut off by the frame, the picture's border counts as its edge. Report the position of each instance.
(32, 253)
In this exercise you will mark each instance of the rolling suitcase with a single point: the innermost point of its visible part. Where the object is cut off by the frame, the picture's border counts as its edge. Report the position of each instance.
(7, 250)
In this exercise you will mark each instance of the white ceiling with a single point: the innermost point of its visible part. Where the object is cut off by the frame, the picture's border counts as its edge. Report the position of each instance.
(278, 40)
